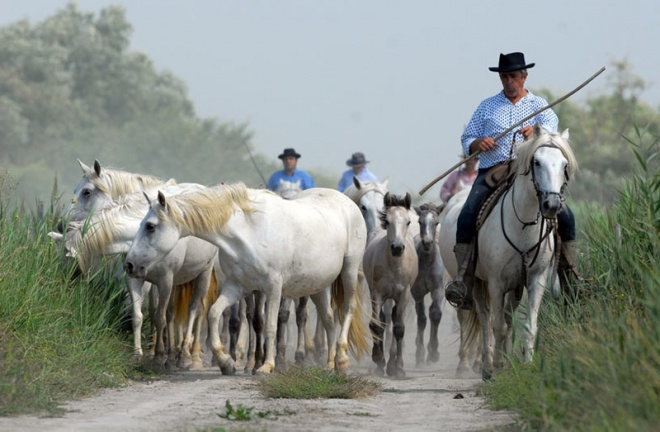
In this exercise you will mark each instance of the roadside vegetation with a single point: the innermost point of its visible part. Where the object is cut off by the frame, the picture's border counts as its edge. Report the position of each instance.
(598, 362)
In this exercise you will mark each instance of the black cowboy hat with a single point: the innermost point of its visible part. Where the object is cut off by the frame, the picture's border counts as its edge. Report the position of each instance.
(357, 159)
(511, 62)
(289, 152)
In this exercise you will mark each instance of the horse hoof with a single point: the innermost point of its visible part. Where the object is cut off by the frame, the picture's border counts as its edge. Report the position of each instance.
(434, 357)
(228, 368)
(379, 372)
(300, 359)
(486, 375)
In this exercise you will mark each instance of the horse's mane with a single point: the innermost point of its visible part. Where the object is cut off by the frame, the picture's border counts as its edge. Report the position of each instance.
(525, 151)
(209, 209)
(392, 201)
(432, 208)
(101, 228)
(356, 194)
(115, 182)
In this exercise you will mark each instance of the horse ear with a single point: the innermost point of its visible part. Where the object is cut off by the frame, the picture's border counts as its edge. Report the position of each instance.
(84, 167)
(564, 134)
(161, 199)
(147, 197)
(408, 200)
(356, 182)
(387, 199)
(387, 179)
(97, 167)
(538, 130)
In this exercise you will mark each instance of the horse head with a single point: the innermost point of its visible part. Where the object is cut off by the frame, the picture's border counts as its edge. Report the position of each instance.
(548, 159)
(395, 219)
(429, 218)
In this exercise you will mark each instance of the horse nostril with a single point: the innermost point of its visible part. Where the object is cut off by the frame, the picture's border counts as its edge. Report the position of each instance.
(128, 267)
(60, 227)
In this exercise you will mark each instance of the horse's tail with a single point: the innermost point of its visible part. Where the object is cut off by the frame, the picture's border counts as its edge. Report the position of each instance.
(212, 293)
(182, 297)
(358, 330)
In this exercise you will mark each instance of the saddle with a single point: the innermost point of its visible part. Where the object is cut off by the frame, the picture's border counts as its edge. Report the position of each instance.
(499, 177)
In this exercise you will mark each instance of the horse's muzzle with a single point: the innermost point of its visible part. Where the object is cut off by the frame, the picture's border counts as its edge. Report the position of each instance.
(134, 271)
(550, 204)
(397, 249)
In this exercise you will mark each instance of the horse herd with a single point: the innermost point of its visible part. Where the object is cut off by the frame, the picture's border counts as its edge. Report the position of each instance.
(244, 255)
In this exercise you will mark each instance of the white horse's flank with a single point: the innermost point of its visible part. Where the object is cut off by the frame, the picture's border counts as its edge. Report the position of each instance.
(294, 248)
(390, 266)
(515, 245)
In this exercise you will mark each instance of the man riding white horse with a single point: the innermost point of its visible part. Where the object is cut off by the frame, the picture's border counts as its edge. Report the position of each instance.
(492, 117)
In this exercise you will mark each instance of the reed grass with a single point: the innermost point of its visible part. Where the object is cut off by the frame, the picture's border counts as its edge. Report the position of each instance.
(60, 334)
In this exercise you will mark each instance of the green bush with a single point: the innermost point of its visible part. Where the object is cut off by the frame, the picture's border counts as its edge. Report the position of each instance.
(59, 334)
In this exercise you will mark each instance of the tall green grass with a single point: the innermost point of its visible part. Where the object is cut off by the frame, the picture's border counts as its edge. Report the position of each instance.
(59, 333)
(598, 362)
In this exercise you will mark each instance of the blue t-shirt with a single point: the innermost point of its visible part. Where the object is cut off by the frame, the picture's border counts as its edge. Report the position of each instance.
(347, 178)
(495, 115)
(306, 181)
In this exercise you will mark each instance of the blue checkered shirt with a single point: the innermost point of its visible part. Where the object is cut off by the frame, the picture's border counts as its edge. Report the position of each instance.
(495, 115)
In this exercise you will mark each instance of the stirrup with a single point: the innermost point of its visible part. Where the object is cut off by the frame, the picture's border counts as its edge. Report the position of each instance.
(455, 293)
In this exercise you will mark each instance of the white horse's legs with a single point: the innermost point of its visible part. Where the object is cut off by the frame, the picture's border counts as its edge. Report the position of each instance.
(301, 323)
(481, 306)
(201, 289)
(282, 323)
(325, 316)
(349, 281)
(135, 291)
(273, 299)
(228, 296)
(534, 296)
(498, 323)
(243, 334)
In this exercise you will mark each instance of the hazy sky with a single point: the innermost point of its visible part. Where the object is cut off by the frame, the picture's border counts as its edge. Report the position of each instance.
(397, 80)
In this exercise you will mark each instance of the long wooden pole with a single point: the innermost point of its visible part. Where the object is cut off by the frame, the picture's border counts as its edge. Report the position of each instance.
(476, 153)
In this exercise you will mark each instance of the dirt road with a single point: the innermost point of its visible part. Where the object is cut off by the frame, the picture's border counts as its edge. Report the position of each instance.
(428, 399)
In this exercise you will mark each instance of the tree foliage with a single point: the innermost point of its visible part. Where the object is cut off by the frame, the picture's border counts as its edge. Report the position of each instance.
(71, 88)
(601, 130)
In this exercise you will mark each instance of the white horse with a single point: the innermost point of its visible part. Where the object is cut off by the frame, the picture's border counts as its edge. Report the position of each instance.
(110, 231)
(429, 281)
(307, 344)
(281, 247)
(390, 266)
(516, 248)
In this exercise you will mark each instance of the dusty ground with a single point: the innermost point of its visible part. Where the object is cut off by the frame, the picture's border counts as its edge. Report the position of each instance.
(191, 401)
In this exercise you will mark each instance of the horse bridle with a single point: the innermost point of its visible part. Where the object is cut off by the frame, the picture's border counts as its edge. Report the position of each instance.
(551, 222)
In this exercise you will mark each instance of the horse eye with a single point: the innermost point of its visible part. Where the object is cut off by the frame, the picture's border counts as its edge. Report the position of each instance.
(87, 192)
(150, 227)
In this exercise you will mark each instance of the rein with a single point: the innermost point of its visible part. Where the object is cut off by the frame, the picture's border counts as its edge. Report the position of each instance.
(548, 225)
